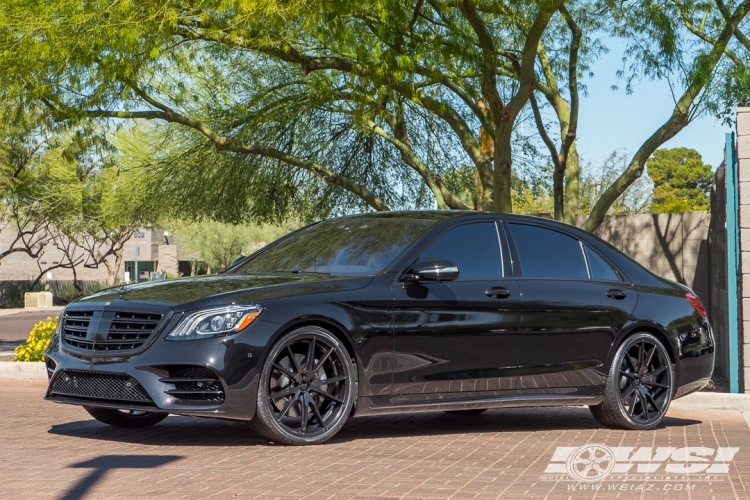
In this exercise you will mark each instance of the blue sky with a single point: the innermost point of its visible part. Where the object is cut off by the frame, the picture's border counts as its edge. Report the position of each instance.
(610, 119)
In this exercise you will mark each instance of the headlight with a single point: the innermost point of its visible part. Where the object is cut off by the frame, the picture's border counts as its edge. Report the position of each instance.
(216, 322)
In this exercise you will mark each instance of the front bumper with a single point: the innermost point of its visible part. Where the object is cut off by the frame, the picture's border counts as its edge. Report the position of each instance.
(110, 382)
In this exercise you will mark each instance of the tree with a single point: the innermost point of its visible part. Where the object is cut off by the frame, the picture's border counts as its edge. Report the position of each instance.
(536, 194)
(682, 181)
(317, 107)
(294, 91)
(219, 244)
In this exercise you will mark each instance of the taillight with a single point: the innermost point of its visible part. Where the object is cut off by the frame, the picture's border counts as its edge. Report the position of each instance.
(697, 303)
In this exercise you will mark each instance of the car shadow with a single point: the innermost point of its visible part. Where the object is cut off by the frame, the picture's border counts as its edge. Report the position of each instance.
(187, 431)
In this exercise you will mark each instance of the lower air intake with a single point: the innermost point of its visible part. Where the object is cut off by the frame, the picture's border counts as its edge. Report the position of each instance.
(99, 385)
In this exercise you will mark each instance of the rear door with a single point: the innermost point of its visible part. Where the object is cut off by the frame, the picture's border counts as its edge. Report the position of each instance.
(574, 305)
(458, 336)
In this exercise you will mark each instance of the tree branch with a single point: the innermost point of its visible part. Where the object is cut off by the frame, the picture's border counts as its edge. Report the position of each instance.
(676, 122)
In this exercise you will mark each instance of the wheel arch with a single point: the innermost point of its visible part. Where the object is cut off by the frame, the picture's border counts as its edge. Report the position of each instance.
(337, 330)
(654, 329)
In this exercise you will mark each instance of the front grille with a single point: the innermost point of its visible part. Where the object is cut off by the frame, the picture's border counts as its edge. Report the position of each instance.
(129, 330)
(99, 385)
(76, 327)
(194, 383)
(126, 331)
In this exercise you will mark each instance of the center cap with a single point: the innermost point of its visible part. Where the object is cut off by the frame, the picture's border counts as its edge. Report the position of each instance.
(637, 380)
(304, 385)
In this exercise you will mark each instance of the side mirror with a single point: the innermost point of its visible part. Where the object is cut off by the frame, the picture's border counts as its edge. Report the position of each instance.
(432, 270)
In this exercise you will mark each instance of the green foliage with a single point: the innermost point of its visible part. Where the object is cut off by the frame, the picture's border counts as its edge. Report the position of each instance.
(594, 180)
(218, 244)
(534, 195)
(66, 292)
(266, 111)
(12, 292)
(39, 339)
(682, 182)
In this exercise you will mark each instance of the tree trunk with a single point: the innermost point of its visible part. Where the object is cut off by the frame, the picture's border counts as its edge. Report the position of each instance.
(503, 165)
(113, 270)
(572, 185)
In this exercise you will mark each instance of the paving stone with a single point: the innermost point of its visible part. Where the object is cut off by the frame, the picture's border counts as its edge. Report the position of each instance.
(58, 451)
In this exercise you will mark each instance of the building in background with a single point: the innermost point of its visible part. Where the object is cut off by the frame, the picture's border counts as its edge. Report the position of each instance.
(148, 250)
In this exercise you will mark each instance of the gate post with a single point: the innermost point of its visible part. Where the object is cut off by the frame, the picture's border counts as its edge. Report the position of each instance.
(733, 263)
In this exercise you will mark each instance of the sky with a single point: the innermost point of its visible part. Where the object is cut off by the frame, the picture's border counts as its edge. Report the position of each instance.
(609, 119)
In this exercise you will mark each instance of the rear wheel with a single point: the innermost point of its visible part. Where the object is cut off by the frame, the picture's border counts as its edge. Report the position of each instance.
(306, 390)
(639, 385)
(125, 418)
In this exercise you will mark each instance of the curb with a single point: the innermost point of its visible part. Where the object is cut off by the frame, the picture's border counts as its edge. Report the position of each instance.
(23, 370)
(712, 401)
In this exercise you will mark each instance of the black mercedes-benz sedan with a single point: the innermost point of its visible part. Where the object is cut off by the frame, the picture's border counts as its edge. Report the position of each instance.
(390, 312)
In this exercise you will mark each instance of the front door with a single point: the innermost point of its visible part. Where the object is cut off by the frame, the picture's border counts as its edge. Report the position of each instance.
(458, 336)
(574, 305)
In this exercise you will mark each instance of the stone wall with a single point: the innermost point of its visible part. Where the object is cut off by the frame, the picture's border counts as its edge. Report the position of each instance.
(743, 155)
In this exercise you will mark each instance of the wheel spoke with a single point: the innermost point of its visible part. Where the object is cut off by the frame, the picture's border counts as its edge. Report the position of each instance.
(628, 393)
(287, 406)
(318, 416)
(323, 359)
(654, 384)
(327, 381)
(326, 395)
(627, 374)
(641, 348)
(653, 402)
(655, 372)
(283, 393)
(284, 371)
(644, 405)
(304, 415)
(310, 355)
(631, 410)
(294, 359)
(650, 357)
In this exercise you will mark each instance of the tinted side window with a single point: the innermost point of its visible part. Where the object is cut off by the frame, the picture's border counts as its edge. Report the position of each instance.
(548, 254)
(473, 247)
(600, 270)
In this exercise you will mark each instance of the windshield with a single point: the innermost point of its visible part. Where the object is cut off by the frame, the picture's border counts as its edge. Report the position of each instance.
(347, 246)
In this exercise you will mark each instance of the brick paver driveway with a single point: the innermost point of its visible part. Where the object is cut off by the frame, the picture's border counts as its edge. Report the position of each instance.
(58, 451)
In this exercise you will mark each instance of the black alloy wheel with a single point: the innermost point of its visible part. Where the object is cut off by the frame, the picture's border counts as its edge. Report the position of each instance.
(307, 388)
(639, 387)
(125, 418)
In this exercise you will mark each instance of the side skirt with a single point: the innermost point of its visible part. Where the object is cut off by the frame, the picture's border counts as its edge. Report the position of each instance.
(369, 406)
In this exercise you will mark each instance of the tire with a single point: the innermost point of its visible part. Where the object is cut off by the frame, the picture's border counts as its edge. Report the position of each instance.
(639, 386)
(295, 405)
(125, 418)
(467, 413)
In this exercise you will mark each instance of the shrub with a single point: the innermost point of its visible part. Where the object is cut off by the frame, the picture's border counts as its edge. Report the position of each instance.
(37, 342)
(12, 292)
(65, 291)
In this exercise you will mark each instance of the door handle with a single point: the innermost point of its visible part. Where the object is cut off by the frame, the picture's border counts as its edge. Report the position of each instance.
(497, 292)
(616, 294)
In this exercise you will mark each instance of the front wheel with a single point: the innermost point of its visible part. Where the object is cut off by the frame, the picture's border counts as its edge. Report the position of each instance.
(306, 389)
(125, 418)
(639, 385)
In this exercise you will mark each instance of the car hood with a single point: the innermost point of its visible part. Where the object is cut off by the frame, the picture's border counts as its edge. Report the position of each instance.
(183, 293)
